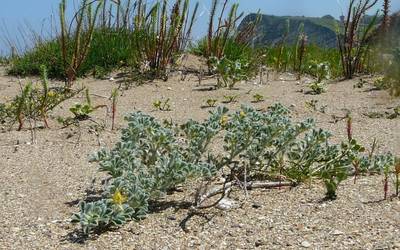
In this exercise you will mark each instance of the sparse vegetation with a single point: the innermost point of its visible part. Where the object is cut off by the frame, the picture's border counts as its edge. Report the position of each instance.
(353, 37)
(230, 98)
(162, 105)
(248, 147)
(211, 102)
(34, 103)
(258, 98)
(175, 160)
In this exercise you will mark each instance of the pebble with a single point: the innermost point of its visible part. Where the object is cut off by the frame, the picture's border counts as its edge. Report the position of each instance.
(337, 232)
(171, 217)
(227, 204)
(305, 244)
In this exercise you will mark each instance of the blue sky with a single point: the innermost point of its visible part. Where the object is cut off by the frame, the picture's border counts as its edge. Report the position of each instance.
(15, 14)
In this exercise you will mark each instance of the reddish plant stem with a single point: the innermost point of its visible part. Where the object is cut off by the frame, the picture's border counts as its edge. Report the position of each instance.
(349, 128)
(356, 170)
(114, 110)
(385, 187)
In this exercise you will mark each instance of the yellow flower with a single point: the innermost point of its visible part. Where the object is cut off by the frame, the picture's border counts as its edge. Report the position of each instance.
(242, 114)
(118, 198)
(224, 120)
(51, 93)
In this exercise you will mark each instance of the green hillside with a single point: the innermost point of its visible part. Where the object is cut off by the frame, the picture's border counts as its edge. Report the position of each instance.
(320, 31)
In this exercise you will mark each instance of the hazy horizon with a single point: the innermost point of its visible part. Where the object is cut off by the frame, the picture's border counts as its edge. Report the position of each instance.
(41, 17)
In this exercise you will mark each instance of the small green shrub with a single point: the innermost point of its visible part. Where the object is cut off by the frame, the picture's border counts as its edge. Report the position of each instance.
(34, 103)
(47, 53)
(317, 88)
(4, 60)
(230, 72)
(258, 98)
(81, 111)
(162, 105)
(381, 83)
(148, 42)
(289, 61)
(230, 98)
(152, 158)
(321, 71)
(211, 103)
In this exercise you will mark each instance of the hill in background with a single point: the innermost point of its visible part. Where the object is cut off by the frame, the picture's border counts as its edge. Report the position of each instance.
(320, 31)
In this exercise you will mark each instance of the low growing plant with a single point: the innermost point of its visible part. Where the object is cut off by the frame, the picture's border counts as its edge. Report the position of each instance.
(81, 111)
(35, 102)
(257, 150)
(381, 83)
(162, 105)
(321, 71)
(317, 88)
(258, 98)
(230, 72)
(211, 102)
(230, 98)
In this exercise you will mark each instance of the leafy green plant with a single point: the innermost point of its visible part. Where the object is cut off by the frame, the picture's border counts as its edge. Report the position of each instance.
(335, 171)
(321, 71)
(313, 105)
(381, 83)
(317, 88)
(258, 98)
(82, 111)
(162, 105)
(230, 72)
(4, 60)
(211, 102)
(34, 103)
(99, 72)
(257, 150)
(142, 38)
(384, 164)
(156, 163)
(230, 98)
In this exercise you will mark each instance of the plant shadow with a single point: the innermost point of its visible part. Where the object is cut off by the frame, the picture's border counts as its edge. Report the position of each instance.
(90, 196)
(78, 237)
(160, 206)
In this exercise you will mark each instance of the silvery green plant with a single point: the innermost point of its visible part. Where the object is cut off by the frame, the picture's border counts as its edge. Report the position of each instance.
(144, 165)
(230, 72)
(152, 159)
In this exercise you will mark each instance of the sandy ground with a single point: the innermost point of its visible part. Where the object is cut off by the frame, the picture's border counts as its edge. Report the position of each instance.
(42, 183)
